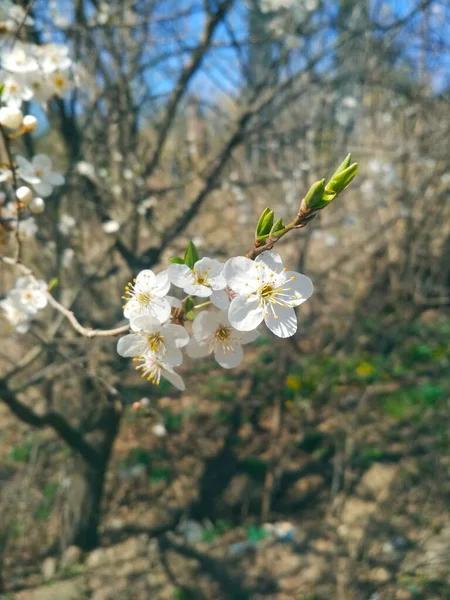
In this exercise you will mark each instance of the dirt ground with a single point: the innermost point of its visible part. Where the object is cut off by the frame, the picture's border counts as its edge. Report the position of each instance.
(340, 501)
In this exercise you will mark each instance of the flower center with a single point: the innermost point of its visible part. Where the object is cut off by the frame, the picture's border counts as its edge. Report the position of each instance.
(155, 342)
(267, 291)
(39, 173)
(143, 298)
(151, 369)
(223, 334)
(59, 82)
(201, 278)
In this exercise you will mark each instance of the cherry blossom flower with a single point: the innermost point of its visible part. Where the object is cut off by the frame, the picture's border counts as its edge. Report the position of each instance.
(60, 82)
(205, 279)
(39, 173)
(213, 333)
(153, 368)
(266, 291)
(149, 335)
(14, 313)
(19, 60)
(146, 296)
(15, 91)
(29, 294)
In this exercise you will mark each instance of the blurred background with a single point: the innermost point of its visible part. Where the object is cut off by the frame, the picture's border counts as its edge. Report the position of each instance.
(319, 468)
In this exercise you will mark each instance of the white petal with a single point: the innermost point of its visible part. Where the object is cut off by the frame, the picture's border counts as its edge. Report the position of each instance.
(55, 178)
(40, 301)
(132, 309)
(247, 337)
(180, 275)
(302, 287)
(196, 350)
(272, 260)
(173, 357)
(245, 313)
(175, 335)
(131, 345)
(241, 275)
(145, 323)
(174, 302)
(220, 299)
(208, 267)
(43, 188)
(218, 282)
(24, 165)
(174, 378)
(285, 325)
(42, 162)
(145, 279)
(159, 308)
(197, 289)
(228, 359)
(205, 324)
(161, 284)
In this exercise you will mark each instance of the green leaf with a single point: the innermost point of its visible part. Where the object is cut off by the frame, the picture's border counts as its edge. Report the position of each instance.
(344, 164)
(177, 260)
(2, 87)
(313, 199)
(341, 180)
(53, 284)
(191, 256)
(265, 223)
(277, 227)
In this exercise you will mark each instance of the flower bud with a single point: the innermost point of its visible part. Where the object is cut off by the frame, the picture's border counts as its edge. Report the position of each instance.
(11, 117)
(29, 123)
(24, 194)
(37, 205)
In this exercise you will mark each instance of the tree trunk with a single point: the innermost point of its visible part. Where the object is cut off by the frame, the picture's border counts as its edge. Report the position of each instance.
(82, 519)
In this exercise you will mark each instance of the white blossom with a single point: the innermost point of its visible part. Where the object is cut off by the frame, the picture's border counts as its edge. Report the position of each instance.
(205, 279)
(148, 335)
(12, 16)
(29, 294)
(266, 291)
(39, 173)
(60, 82)
(14, 313)
(146, 296)
(153, 368)
(213, 333)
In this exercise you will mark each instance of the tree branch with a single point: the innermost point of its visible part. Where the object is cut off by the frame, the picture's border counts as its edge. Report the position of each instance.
(57, 422)
(184, 80)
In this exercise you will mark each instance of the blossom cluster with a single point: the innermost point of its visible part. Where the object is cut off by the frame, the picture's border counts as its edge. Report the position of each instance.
(32, 72)
(235, 298)
(28, 72)
(23, 302)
